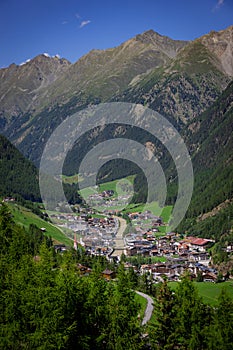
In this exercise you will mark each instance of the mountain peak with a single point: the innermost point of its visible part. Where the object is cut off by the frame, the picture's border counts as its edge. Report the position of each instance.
(163, 43)
(221, 44)
(46, 58)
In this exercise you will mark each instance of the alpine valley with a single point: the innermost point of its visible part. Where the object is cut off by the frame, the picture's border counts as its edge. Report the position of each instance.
(54, 296)
(190, 83)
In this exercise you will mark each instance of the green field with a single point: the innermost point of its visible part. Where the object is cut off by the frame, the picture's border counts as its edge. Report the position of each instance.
(25, 217)
(210, 291)
(153, 207)
(115, 185)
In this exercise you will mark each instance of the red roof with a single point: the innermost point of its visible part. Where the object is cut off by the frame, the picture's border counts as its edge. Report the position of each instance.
(199, 241)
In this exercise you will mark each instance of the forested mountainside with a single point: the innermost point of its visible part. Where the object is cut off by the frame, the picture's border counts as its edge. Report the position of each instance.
(18, 176)
(210, 141)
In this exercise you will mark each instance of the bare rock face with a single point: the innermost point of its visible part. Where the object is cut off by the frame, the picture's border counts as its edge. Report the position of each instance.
(221, 44)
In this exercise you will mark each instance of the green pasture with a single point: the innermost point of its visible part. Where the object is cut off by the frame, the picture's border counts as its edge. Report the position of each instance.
(25, 217)
(210, 291)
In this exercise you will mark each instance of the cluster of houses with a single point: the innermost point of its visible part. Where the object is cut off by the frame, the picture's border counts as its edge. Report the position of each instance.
(107, 200)
(93, 232)
(170, 245)
(187, 254)
(174, 269)
(182, 255)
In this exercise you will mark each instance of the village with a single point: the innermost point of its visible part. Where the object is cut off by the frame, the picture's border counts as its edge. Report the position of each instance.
(161, 254)
(142, 239)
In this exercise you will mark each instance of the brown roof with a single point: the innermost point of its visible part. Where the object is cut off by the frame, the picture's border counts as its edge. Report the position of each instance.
(107, 272)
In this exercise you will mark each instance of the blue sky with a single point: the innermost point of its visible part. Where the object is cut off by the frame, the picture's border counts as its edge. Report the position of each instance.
(72, 28)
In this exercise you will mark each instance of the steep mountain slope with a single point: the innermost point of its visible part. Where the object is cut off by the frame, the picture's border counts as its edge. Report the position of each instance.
(20, 177)
(44, 81)
(221, 44)
(21, 85)
(103, 73)
(17, 174)
(184, 88)
(95, 77)
(210, 142)
(178, 79)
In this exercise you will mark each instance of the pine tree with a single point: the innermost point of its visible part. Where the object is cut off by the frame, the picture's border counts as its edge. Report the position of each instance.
(163, 329)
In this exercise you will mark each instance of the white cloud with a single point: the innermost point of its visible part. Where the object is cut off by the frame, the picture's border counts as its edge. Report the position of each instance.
(84, 23)
(219, 4)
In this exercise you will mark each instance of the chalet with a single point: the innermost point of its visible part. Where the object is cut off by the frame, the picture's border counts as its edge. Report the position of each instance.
(209, 277)
(174, 277)
(161, 268)
(177, 269)
(108, 274)
(199, 244)
(130, 251)
(60, 248)
(199, 256)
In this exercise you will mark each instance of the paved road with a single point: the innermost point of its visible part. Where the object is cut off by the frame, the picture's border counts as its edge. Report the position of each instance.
(119, 236)
(149, 308)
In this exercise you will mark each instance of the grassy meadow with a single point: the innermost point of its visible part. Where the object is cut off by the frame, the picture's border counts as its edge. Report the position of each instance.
(25, 217)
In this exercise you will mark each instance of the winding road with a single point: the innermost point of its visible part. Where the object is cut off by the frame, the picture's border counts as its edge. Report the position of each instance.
(149, 307)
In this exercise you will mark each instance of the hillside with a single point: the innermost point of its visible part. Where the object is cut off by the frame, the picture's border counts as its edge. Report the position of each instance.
(20, 178)
(210, 142)
(190, 83)
(176, 78)
(17, 174)
(21, 85)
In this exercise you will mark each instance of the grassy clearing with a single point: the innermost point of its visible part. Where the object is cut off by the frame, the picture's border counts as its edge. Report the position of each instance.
(210, 291)
(25, 217)
(155, 259)
(112, 185)
(165, 213)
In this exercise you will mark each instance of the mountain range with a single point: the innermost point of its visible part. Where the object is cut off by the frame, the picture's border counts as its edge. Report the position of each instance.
(190, 83)
(179, 79)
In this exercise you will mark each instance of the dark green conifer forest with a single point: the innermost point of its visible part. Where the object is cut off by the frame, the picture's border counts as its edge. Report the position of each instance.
(45, 303)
